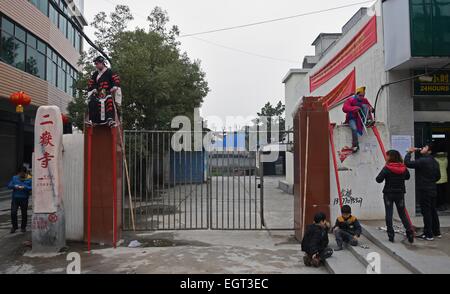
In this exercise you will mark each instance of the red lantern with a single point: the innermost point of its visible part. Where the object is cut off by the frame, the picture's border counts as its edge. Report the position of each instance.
(65, 119)
(20, 99)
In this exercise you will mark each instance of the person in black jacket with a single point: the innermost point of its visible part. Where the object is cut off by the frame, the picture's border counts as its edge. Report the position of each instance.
(427, 175)
(101, 86)
(394, 174)
(347, 228)
(315, 241)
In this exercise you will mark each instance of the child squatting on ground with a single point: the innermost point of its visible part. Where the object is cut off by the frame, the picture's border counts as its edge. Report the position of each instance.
(347, 229)
(315, 241)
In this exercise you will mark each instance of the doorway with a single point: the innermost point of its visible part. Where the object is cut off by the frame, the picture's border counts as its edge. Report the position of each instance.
(439, 134)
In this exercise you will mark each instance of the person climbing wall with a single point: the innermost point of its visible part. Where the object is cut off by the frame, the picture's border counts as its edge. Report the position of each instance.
(359, 114)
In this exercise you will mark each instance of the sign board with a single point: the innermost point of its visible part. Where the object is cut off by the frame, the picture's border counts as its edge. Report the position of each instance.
(401, 144)
(436, 84)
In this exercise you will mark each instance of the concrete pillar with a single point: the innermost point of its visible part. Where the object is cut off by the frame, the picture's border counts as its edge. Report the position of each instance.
(48, 222)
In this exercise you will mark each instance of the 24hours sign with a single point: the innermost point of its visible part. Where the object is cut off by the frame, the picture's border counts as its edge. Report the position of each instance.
(435, 84)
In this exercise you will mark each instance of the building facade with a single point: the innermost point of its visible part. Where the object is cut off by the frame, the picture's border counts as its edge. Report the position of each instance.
(381, 47)
(39, 53)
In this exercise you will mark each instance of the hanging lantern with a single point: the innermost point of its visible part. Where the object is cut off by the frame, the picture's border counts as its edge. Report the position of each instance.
(65, 119)
(20, 99)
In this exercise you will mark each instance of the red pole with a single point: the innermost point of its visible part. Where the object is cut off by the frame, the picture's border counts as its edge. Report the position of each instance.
(336, 171)
(89, 185)
(383, 149)
(114, 180)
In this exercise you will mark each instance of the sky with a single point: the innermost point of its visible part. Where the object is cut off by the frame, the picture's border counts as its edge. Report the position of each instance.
(244, 67)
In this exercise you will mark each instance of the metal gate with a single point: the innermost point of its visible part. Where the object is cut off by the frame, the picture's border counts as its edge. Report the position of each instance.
(218, 189)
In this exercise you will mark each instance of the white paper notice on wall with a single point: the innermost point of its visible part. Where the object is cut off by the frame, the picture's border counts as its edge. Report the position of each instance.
(47, 187)
(401, 144)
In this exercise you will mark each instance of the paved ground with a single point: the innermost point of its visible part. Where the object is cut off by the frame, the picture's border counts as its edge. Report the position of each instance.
(181, 252)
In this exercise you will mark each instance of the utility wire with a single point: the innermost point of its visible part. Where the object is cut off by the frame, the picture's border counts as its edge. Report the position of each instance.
(273, 20)
(246, 52)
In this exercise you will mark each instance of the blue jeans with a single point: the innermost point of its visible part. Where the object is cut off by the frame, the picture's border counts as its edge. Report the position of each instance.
(354, 126)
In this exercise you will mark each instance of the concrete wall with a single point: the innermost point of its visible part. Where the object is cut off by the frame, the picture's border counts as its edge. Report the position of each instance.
(294, 89)
(73, 183)
(357, 175)
(400, 112)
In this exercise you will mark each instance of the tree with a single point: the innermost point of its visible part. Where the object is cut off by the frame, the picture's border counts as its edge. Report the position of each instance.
(158, 81)
(274, 116)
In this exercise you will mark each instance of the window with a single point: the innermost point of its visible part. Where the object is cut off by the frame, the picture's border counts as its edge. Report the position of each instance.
(430, 28)
(35, 63)
(24, 51)
(78, 42)
(20, 34)
(31, 41)
(12, 51)
(63, 25)
(42, 5)
(53, 15)
(7, 26)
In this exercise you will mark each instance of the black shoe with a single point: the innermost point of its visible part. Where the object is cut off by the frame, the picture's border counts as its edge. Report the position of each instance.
(23, 230)
(392, 239)
(340, 248)
(13, 231)
(425, 238)
(307, 260)
(355, 149)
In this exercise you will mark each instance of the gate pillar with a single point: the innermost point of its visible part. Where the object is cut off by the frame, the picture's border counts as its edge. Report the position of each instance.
(100, 215)
(311, 163)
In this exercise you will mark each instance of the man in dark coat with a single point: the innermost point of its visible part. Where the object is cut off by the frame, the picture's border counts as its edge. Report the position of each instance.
(102, 85)
(315, 242)
(427, 175)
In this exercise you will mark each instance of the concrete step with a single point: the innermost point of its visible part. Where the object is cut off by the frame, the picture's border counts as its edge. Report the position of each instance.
(5, 194)
(344, 262)
(389, 265)
(422, 257)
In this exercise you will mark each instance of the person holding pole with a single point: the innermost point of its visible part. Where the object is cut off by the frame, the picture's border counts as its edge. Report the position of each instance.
(359, 115)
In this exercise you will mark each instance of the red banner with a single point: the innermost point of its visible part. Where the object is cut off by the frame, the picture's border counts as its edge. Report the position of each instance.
(362, 42)
(345, 88)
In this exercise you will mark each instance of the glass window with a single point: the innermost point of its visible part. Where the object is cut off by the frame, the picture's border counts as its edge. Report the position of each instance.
(71, 34)
(12, 51)
(51, 72)
(7, 26)
(20, 34)
(78, 42)
(31, 41)
(53, 15)
(63, 25)
(41, 47)
(430, 28)
(43, 6)
(35, 63)
(61, 79)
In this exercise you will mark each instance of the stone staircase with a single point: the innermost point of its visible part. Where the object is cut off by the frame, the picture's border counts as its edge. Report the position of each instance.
(395, 258)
